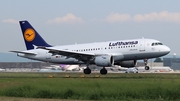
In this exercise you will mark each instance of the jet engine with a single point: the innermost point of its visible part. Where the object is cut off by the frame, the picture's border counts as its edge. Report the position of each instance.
(131, 63)
(104, 60)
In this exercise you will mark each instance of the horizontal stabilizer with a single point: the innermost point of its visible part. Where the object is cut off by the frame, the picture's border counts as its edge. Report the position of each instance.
(24, 52)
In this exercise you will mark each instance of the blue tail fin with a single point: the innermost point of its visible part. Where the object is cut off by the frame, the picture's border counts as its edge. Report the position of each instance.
(31, 36)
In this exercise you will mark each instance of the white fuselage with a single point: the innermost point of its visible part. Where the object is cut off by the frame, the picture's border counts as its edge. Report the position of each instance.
(121, 50)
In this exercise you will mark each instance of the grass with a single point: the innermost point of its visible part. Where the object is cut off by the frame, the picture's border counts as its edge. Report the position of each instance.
(120, 87)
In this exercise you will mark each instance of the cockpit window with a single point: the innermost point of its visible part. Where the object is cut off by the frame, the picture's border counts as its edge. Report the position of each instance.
(160, 43)
(156, 43)
(152, 44)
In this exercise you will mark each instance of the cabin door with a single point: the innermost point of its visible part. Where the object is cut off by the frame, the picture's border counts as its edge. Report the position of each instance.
(142, 45)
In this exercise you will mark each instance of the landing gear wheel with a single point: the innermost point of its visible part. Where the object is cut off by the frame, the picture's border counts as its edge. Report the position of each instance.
(103, 71)
(87, 71)
(146, 67)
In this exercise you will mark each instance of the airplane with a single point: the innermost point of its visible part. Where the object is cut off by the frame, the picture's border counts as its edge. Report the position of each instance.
(53, 67)
(124, 53)
(69, 67)
(131, 70)
(2, 70)
(63, 67)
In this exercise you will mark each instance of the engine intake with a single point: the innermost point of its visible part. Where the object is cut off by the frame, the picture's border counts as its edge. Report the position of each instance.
(104, 60)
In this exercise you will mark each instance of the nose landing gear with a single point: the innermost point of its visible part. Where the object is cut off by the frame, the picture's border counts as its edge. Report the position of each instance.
(145, 62)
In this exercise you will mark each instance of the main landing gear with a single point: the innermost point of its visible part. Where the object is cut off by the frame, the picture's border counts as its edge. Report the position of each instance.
(87, 71)
(145, 62)
(103, 71)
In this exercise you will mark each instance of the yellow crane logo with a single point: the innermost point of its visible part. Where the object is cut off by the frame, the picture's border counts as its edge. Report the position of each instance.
(29, 35)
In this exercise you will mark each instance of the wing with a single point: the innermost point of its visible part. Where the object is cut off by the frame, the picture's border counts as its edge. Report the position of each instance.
(77, 55)
(24, 52)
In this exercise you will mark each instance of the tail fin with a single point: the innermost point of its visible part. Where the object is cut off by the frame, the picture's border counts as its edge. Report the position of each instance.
(31, 36)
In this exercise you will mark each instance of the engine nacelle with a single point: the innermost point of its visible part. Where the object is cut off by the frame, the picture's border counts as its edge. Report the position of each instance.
(131, 63)
(104, 60)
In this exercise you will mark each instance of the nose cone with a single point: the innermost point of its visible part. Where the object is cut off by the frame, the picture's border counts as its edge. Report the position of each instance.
(166, 49)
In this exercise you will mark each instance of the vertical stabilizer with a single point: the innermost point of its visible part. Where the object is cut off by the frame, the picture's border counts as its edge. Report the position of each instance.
(31, 36)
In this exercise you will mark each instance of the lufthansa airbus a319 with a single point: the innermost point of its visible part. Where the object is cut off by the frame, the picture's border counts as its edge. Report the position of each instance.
(124, 53)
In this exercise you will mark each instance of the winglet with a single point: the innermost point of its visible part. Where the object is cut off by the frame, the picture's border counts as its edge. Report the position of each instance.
(31, 36)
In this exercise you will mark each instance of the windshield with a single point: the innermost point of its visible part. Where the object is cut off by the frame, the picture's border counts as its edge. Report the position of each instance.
(156, 44)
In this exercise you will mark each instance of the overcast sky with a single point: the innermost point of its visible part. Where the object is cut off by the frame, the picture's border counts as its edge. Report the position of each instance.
(62, 22)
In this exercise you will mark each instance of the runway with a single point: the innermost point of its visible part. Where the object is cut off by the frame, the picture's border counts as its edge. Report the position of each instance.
(81, 71)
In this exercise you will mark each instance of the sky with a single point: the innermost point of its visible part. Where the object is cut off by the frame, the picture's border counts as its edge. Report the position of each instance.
(63, 22)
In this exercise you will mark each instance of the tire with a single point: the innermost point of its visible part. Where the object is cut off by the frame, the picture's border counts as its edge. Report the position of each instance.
(103, 71)
(87, 71)
(146, 67)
